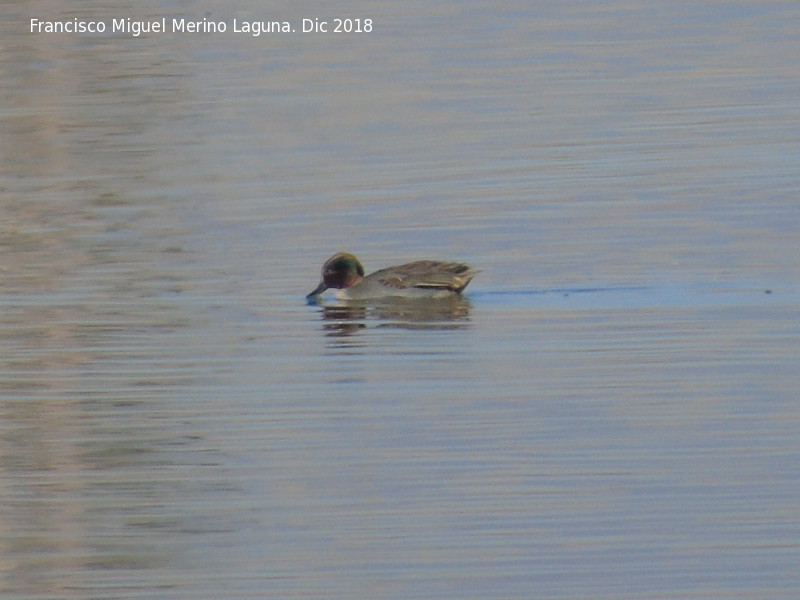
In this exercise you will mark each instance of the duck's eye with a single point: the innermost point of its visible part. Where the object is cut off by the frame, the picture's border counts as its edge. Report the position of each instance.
(345, 265)
(337, 266)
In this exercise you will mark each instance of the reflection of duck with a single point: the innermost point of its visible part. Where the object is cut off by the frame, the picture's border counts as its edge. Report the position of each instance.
(421, 279)
(344, 318)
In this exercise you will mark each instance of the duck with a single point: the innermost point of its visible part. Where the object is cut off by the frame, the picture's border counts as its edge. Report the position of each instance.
(344, 273)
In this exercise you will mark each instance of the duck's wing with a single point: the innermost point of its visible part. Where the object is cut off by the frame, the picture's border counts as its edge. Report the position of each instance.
(428, 274)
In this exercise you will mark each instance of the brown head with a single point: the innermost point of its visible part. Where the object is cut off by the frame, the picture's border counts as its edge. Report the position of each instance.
(340, 271)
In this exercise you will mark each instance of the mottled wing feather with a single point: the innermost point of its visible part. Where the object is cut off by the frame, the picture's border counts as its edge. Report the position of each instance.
(394, 281)
(427, 274)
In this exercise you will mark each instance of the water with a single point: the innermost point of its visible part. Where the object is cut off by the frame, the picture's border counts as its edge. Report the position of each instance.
(612, 411)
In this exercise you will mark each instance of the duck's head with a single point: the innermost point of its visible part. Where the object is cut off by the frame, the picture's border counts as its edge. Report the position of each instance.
(340, 271)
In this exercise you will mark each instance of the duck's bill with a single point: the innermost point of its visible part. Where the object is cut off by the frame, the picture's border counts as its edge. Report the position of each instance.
(319, 289)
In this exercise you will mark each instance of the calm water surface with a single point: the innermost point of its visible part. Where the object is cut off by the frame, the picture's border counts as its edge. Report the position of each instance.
(612, 411)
